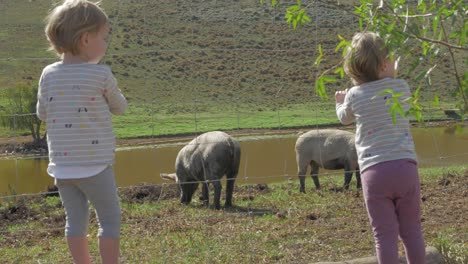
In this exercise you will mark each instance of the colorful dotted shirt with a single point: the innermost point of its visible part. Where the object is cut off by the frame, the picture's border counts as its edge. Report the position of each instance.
(378, 139)
(77, 102)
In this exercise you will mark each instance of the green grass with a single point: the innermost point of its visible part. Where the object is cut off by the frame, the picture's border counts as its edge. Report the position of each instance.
(432, 173)
(276, 224)
(136, 123)
(196, 67)
(453, 251)
(215, 65)
(145, 120)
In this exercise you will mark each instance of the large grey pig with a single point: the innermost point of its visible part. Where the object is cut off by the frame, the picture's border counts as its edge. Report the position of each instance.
(331, 149)
(206, 159)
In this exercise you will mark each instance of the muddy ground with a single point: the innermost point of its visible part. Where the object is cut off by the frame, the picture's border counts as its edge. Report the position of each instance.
(443, 200)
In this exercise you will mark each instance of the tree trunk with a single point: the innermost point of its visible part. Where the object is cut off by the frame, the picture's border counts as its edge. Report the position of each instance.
(35, 128)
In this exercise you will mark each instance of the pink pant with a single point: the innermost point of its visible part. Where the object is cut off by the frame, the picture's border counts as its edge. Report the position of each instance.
(392, 195)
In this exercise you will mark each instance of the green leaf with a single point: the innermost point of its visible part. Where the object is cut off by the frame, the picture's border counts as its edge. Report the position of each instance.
(393, 113)
(422, 5)
(441, 35)
(296, 16)
(399, 108)
(340, 71)
(320, 88)
(344, 44)
(435, 25)
(425, 47)
(420, 75)
(391, 26)
(329, 79)
(454, 35)
(274, 3)
(418, 116)
(462, 39)
(320, 85)
(416, 93)
(383, 92)
(436, 101)
(319, 58)
(413, 66)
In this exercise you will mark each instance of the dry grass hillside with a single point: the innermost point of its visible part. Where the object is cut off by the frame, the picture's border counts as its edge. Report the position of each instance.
(226, 53)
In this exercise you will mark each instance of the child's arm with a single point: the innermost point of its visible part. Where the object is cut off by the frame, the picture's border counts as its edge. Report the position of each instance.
(114, 97)
(41, 102)
(343, 108)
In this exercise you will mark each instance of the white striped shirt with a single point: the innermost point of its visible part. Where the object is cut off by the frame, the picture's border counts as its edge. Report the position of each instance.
(77, 102)
(378, 139)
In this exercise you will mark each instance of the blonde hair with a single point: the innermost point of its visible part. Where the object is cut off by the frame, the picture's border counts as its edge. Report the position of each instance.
(365, 57)
(67, 22)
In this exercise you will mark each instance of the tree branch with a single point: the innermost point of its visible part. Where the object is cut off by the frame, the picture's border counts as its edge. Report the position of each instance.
(412, 34)
(413, 16)
(457, 75)
(439, 42)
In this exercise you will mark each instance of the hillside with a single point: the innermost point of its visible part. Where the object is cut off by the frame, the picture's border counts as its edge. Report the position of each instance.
(202, 58)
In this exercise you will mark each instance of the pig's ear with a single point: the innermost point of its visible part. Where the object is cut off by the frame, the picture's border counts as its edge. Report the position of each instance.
(169, 176)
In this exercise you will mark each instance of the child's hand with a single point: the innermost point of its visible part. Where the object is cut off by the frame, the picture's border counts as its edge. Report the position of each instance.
(340, 96)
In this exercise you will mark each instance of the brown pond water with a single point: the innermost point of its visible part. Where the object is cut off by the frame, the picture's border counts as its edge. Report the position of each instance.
(264, 160)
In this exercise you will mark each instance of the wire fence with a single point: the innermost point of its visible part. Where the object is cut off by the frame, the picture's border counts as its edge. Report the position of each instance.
(170, 187)
(211, 254)
(220, 11)
(265, 76)
(246, 179)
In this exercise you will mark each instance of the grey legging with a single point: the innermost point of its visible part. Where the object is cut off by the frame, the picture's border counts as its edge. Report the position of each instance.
(101, 191)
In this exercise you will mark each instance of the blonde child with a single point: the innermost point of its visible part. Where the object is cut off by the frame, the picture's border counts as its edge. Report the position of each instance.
(76, 99)
(385, 149)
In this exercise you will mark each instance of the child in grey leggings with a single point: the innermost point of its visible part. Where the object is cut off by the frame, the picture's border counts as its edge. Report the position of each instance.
(100, 190)
(76, 98)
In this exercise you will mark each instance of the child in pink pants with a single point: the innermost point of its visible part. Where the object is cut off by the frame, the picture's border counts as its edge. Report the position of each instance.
(385, 148)
(392, 195)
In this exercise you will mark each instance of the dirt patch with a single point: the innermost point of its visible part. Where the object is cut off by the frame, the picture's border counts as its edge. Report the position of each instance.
(443, 207)
(154, 193)
(149, 193)
(249, 192)
(444, 201)
(25, 210)
(17, 213)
